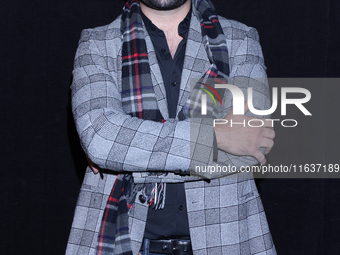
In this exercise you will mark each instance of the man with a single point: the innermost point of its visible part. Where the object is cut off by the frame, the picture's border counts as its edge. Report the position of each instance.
(130, 99)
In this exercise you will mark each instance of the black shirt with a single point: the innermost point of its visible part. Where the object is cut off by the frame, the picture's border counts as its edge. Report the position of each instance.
(172, 220)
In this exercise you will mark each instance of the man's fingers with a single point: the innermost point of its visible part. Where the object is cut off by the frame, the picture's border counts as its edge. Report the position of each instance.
(93, 166)
(260, 157)
(95, 170)
(268, 133)
(268, 123)
(259, 122)
(267, 144)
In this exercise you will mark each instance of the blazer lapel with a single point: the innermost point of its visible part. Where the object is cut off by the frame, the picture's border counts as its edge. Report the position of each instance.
(196, 62)
(157, 80)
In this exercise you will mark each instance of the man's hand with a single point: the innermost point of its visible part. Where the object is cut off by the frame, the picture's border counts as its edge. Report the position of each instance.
(243, 140)
(93, 166)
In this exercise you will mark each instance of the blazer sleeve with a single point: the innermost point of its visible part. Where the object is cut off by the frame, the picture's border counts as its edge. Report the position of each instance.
(113, 139)
(247, 69)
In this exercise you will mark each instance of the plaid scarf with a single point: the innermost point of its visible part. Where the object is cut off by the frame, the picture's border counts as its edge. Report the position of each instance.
(139, 100)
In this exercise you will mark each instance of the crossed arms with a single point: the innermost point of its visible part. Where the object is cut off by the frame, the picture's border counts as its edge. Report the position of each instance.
(116, 141)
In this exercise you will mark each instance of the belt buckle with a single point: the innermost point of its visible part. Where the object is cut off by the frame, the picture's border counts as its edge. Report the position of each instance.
(180, 247)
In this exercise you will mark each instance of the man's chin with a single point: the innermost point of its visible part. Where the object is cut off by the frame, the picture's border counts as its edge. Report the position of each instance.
(163, 5)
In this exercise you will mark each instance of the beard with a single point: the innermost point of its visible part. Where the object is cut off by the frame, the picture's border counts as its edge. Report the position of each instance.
(163, 5)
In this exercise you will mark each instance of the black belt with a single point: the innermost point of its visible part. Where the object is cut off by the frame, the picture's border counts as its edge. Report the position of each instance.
(171, 246)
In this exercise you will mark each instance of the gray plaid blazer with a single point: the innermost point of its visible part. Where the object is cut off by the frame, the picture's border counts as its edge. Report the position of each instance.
(225, 215)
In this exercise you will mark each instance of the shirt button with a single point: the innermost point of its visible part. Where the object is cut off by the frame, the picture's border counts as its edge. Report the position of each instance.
(142, 199)
(153, 28)
(180, 207)
(162, 50)
(174, 84)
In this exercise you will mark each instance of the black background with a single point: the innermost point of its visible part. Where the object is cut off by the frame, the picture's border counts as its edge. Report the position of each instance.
(42, 164)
